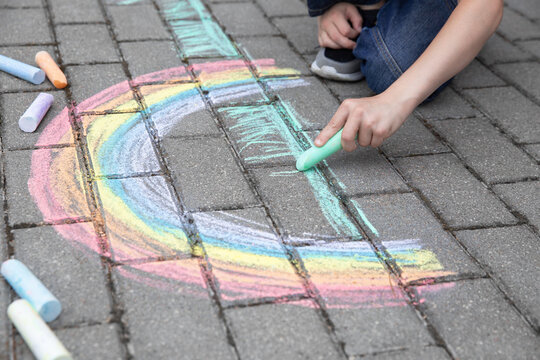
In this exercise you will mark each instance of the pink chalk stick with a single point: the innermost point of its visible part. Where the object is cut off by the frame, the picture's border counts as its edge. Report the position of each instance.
(35, 113)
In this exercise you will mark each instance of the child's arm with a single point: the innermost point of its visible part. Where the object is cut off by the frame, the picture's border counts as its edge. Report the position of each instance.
(376, 118)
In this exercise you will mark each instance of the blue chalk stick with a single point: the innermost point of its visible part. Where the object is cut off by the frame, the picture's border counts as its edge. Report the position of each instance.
(28, 286)
(24, 71)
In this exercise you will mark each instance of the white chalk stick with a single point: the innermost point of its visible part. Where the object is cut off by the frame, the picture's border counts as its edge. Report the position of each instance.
(35, 113)
(35, 332)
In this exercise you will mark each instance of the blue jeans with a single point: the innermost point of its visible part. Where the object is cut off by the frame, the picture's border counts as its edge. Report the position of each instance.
(403, 31)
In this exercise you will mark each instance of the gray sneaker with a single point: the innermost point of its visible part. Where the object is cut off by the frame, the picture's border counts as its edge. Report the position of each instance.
(325, 67)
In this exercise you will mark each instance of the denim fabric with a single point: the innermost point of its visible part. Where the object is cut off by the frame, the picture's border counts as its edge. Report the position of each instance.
(318, 7)
(403, 31)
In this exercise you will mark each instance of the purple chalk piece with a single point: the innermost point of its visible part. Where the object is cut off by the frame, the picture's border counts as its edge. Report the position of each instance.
(21, 70)
(35, 113)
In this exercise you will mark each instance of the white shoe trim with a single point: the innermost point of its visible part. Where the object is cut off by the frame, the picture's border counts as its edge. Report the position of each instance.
(329, 72)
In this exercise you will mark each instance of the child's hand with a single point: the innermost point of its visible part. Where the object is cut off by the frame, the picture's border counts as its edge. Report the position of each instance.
(337, 26)
(368, 120)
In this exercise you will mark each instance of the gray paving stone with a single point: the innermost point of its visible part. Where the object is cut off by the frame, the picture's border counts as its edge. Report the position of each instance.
(523, 197)
(71, 11)
(523, 74)
(25, 54)
(76, 278)
(139, 22)
(498, 50)
(428, 352)
(17, 20)
(301, 106)
(88, 80)
(117, 157)
(476, 322)
(476, 75)
(361, 298)
(302, 209)
(261, 135)
(92, 342)
(167, 317)
(404, 224)
(534, 150)
(511, 110)
(14, 105)
(448, 105)
(21, 3)
(288, 331)
(98, 46)
(247, 259)
(22, 207)
(151, 198)
(413, 138)
(364, 171)
(139, 65)
(514, 26)
(532, 46)
(506, 251)
(489, 153)
(528, 7)
(455, 194)
(242, 19)
(268, 47)
(207, 173)
(301, 32)
(283, 7)
(345, 90)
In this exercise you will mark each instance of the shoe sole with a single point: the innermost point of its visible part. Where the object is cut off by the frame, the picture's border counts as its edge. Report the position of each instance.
(329, 72)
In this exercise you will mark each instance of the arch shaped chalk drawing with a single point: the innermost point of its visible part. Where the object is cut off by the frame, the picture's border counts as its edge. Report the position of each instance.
(247, 254)
(141, 217)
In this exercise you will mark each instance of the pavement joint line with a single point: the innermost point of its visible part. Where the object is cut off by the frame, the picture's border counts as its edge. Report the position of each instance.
(388, 352)
(106, 112)
(29, 91)
(90, 63)
(517, 86)
(151, 260)
(43, 44)
(68, 221)
(225, 208)
(254, 302)
(126, 176)
(70, 23)
(42, 147)
(485, 227)
(446, 279)
(413, 155)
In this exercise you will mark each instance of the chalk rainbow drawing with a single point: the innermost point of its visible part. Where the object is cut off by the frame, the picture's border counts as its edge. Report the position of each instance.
(142, 220)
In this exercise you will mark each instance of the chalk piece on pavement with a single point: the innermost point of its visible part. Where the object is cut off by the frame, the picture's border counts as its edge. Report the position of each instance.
(35, 113)
(38, 336)
(53, 72)
(22, 70)
(29, 287)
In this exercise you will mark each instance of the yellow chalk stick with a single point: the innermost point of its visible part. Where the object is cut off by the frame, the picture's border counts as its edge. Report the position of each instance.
(53, 72)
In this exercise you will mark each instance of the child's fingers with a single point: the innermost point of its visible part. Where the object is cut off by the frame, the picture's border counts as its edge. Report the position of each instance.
(353, 15)
(365, 134)
(376, 141)
(333, 126)
(345, 29)
(325, 41)
(348, 137)
(343, 41)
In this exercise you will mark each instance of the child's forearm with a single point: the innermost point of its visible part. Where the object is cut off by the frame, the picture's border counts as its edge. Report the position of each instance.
(454, 47)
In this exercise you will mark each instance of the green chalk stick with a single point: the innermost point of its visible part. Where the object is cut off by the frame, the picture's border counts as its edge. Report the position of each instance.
(315, 154)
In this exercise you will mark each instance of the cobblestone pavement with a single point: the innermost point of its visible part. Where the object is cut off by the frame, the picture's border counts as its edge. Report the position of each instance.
(158, 199)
